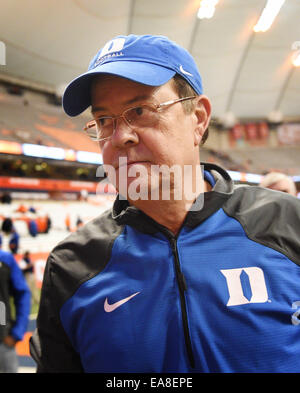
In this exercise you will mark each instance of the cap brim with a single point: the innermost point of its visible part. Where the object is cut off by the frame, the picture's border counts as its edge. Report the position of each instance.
(77, 98)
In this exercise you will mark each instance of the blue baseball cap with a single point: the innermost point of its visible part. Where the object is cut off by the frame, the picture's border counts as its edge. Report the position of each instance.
(147, 59)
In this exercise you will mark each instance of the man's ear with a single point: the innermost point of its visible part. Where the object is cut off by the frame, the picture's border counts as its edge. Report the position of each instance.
(203, 113)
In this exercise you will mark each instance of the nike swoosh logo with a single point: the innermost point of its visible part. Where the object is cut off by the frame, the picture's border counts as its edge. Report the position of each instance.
(185, 72)
(111, 307)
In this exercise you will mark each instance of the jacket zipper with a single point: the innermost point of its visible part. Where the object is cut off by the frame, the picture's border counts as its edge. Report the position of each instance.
(182, 288)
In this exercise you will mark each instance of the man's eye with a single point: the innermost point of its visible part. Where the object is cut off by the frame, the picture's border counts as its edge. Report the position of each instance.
(102, 121)
(139, 110)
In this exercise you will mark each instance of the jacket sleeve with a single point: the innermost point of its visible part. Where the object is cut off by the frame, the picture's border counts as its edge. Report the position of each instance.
(49, 345)
(21, 295)
(269, 217)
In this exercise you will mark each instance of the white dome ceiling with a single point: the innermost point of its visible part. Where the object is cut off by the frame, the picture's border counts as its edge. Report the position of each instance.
(248, 74)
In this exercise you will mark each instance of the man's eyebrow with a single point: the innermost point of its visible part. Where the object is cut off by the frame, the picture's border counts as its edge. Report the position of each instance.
(129, 102)
(97, 109)
(137, 99)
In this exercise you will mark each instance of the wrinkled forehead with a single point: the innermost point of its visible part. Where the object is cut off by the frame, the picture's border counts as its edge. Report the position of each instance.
(111, 88)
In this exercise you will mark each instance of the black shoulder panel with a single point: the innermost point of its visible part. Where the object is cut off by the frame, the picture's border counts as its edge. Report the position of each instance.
(83, 254)
(269, 217)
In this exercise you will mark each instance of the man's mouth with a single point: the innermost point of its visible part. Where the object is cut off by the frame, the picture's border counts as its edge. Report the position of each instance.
(129, 163)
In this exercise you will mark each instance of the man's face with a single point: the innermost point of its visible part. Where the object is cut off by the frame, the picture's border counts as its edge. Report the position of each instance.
(174, 140)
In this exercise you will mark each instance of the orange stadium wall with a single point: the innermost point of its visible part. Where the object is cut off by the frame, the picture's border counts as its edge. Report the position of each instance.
(20, 183)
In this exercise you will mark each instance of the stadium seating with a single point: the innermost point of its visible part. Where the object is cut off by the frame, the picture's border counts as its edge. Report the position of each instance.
(34, 120)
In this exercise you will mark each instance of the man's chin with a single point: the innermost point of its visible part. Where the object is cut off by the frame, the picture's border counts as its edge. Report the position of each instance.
(134, 188)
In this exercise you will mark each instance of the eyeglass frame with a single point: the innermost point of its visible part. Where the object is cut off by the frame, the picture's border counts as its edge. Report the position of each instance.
(157, 107)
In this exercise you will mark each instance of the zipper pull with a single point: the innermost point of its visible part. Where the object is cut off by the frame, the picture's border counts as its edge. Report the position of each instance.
(180, 275)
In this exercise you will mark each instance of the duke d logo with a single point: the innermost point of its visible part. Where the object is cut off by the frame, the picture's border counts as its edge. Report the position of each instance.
(237, 287)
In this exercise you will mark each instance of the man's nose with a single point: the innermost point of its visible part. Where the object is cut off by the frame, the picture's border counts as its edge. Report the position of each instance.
(123, 134)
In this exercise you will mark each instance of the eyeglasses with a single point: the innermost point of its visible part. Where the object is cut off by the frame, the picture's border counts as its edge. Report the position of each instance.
(141, 117)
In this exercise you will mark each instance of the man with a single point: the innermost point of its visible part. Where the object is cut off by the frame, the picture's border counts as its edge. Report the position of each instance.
(27, 267)
(170, 279)
(9, 229)
(12, 284)
(279, 182)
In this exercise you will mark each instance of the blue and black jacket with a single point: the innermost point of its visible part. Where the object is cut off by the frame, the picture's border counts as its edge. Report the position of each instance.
(13, 284)
(123, 294)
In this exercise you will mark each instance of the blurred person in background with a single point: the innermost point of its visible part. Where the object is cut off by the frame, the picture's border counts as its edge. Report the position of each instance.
(279, 182)
(27, 267)
(13, 325)
(14, 239)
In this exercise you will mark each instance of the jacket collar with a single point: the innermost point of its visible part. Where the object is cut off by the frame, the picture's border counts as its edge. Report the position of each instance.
(204, 206)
